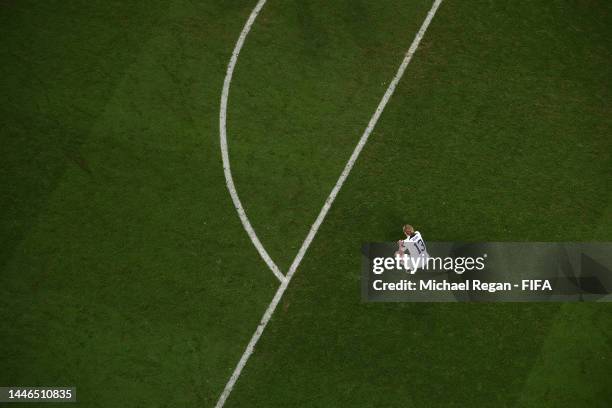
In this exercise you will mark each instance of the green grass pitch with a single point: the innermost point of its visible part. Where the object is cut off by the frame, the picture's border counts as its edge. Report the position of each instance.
(125, 270)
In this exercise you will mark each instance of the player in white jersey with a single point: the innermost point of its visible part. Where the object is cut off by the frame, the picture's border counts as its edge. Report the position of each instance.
(414, 246)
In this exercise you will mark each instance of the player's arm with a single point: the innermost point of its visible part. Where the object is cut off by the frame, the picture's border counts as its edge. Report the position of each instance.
(400, 246)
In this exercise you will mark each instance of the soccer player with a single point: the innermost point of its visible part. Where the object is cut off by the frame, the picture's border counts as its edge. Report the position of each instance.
(415, 246)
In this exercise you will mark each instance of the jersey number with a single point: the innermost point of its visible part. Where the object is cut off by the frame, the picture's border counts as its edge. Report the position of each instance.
(421, 244)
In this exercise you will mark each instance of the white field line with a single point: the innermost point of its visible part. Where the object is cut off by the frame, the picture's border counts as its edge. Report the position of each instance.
(285, 280)
(229, 181)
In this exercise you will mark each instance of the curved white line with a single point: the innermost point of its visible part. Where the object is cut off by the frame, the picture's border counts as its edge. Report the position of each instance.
(229, 181)
(285, 280)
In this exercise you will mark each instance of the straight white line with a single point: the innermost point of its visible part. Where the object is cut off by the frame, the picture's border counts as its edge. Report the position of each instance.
(364, 139)
(229, 181)
(251, 346)
(328, 202)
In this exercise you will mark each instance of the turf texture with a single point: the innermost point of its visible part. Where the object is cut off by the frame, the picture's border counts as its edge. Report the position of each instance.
(125, 270)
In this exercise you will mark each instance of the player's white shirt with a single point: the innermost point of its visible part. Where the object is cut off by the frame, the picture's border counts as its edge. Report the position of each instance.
(415, 246)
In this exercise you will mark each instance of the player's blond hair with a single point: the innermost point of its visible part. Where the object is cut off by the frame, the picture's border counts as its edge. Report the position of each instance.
(408, 229)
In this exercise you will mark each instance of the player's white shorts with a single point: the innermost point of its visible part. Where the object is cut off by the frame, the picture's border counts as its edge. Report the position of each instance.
(418, 262)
